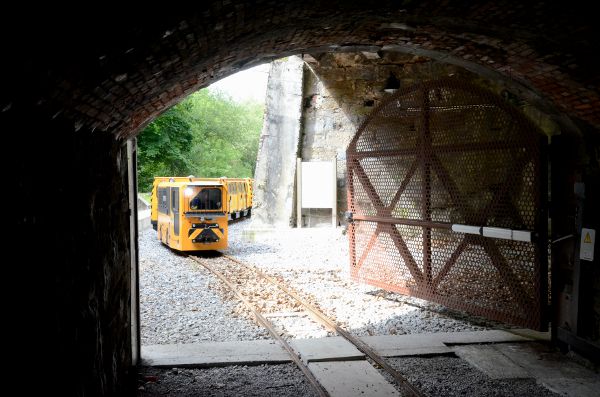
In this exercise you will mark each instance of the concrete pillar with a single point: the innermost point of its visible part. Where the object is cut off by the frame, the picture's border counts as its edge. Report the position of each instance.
(276, 165)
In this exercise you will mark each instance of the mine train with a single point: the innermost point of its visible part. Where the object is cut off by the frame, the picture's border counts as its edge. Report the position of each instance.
(192, 214)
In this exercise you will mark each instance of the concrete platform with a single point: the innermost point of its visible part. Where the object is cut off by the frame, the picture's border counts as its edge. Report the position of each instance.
(531, 334)
(532, 360)
(435, 343)
(552, 369)
(144, 220)
(490, 361)
(351, 378)
(343, 370)
(214, 354)
(491, 336)
(333, 348)
(407, 345)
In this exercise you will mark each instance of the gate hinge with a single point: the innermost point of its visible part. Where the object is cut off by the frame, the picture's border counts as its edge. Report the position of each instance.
(348, 217)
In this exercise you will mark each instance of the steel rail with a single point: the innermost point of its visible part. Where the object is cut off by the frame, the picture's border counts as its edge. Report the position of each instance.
(322, 318)
(267, 324)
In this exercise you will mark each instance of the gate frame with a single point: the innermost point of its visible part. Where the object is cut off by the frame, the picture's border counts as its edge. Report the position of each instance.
(427, 161)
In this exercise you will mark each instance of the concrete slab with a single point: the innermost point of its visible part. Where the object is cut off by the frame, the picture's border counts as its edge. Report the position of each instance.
(490, 361)
(407, 345)
(573, 387)
(333, 348)
(552, 369)
(144, 220)
(531, 334)
(142, 203)
(541, 361)
(435, 343)
(351, 378)
(491, 336)
(214, 354)
(419, 351)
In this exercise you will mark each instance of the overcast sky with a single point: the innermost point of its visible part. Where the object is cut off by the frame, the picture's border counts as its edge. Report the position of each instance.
(247, 84)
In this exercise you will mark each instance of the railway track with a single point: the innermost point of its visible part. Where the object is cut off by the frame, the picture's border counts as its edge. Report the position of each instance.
(286, 297)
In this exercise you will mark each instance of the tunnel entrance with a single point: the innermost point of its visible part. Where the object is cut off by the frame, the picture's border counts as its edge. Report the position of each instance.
(446, 187)
(77, 85)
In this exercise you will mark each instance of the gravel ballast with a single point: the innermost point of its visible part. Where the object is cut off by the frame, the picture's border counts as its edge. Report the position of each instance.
(283, 380)
(178, 304)
(451, 376)
(315, 262)
(181, 302)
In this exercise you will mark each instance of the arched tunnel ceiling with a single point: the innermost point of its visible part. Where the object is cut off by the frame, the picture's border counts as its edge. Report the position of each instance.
(114, 70)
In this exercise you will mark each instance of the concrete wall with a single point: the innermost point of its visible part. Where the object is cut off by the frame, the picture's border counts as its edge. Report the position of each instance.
(143, 214)
(276, 165)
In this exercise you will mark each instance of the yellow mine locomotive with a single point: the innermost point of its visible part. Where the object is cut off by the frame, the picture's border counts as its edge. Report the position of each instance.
(191, 214)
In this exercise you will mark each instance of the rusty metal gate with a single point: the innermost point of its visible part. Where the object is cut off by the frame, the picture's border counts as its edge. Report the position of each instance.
(447, 194)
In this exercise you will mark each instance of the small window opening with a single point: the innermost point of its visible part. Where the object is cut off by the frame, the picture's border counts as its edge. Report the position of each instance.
(207, 199)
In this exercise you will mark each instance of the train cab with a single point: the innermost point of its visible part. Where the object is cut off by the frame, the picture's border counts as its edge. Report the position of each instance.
(191, 214)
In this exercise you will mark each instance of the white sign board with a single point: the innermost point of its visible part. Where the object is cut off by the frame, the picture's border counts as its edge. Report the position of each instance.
(588, 239)
(317, 184)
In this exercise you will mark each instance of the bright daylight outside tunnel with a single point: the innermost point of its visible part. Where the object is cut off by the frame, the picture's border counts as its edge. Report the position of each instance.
(307, 199)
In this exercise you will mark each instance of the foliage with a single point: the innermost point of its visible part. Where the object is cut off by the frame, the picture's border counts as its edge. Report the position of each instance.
(206, 135)
(145, 196)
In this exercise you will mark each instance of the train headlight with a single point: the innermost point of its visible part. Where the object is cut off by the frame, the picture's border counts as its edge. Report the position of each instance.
(188, 192)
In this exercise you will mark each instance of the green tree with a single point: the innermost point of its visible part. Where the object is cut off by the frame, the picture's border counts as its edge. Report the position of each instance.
(226, 135)
(164, 146)
(207, 135)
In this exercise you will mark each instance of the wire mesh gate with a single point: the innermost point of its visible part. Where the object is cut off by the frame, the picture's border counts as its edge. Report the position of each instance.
(447, 192)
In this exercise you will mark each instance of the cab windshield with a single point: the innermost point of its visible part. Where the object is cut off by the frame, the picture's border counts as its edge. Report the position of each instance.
(206, 199)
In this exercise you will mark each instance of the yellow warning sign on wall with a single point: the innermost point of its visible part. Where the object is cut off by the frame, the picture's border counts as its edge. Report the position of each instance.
(588, 239)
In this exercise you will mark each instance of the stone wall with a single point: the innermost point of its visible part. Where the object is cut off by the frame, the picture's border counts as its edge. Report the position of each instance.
(67, 326)
(341, 90)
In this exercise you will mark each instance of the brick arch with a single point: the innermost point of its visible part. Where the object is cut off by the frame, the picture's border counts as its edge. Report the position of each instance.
(109, 69)
(118, 76)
